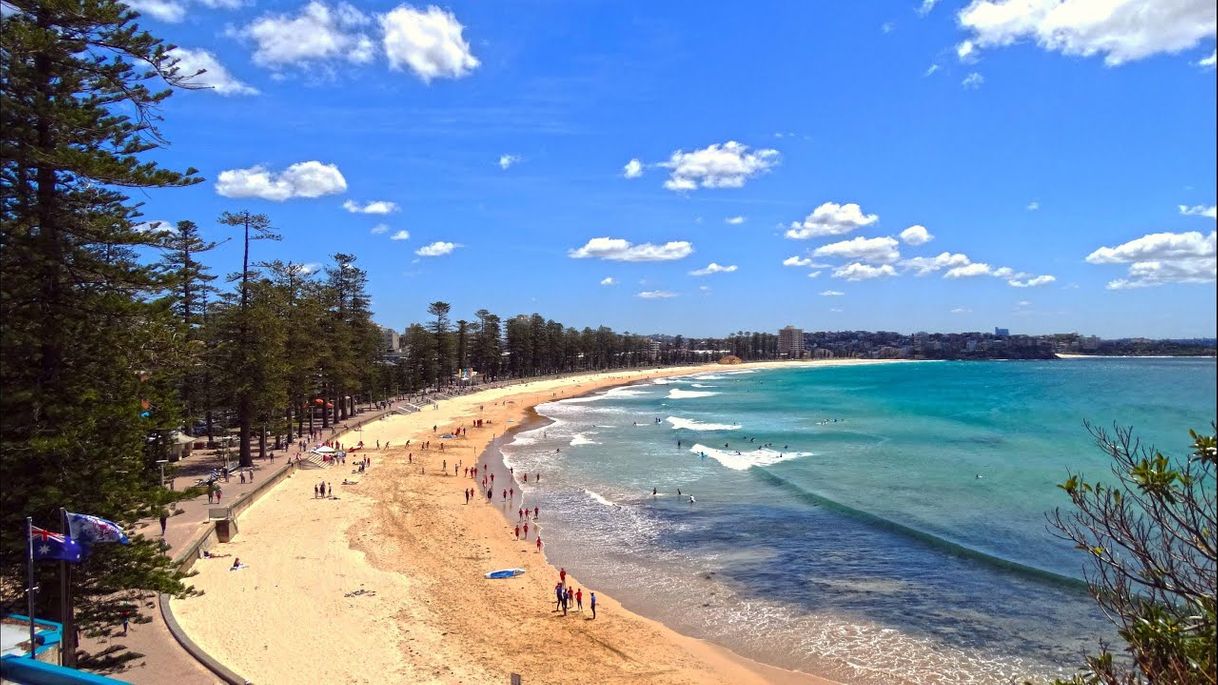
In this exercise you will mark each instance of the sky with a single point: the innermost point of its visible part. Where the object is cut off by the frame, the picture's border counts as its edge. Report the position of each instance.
(703, 168)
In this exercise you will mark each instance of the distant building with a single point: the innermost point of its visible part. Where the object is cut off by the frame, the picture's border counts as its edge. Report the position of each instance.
(653, 348)
(390, 340)
(791, 342)
(1002, 332)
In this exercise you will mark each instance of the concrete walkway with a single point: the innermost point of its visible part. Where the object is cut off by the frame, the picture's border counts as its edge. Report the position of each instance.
(163, 659)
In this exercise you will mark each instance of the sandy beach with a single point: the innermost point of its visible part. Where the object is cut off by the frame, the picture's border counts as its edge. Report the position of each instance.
(384, 582)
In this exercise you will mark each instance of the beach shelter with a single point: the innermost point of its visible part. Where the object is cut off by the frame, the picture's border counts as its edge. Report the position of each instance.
(324, 449)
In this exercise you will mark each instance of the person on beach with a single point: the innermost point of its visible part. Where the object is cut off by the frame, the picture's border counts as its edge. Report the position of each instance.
(467, 495)
(539, 544)
(519, 514)
(526, 530)
(579, 600)
(570, 597)
(526, 477)
(592, 603)
(518, 532)
(562, 575)
(164, 521)
(536, 512)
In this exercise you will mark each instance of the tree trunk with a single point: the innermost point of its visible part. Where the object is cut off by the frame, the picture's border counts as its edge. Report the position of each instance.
(245, 420)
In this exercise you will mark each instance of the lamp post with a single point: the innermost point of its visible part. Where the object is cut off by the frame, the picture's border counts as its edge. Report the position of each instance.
(161, 463)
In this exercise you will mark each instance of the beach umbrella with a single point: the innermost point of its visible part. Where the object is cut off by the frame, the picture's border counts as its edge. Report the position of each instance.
(326, 449)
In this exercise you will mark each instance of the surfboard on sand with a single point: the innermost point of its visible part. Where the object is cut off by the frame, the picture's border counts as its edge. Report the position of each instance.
(505, 573)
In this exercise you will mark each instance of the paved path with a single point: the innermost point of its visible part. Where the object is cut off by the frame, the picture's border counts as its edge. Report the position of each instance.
(164, 660)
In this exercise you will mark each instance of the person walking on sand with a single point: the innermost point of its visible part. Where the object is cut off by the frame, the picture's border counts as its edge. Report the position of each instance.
(164, 521)
(536, 511)
(562, 575)
(592, 603)
(518, 532)
(579, 600)
(526, 530)
(539, 544)
(570, 596)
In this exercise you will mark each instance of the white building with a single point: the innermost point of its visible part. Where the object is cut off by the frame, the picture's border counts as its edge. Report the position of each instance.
(390, 340)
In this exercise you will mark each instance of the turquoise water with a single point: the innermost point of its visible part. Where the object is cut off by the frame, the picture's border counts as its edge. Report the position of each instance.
(877, 524)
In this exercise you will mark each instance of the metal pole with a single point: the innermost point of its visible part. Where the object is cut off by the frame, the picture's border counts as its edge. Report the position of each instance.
(68, 653)
(30, 589)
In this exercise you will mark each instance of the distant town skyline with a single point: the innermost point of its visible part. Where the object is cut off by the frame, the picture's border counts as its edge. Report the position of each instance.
(855, 166)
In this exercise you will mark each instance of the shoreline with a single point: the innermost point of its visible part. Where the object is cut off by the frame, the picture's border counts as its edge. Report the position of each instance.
(385, 581)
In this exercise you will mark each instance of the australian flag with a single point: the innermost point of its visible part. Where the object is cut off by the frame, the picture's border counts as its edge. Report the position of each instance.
(89, 530)
(49, 545)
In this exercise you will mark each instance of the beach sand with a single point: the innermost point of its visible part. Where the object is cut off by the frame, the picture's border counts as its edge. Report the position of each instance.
(405, 538)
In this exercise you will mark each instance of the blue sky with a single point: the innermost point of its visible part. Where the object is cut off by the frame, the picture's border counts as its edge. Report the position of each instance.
(1060, 160)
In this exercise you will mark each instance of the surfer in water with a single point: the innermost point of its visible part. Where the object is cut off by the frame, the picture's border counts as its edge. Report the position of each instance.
(653, 492)
(691, 499)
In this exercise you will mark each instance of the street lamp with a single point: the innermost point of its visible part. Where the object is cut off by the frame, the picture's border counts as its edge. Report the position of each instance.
(162, 463)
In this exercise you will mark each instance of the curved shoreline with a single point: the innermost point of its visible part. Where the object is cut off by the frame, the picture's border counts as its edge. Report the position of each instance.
(386, 582)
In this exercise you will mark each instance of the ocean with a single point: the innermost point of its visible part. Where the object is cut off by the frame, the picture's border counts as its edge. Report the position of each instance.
(874, 524)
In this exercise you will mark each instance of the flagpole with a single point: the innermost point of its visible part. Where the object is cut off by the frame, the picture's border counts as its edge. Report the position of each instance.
(29, 569)
(68, 652)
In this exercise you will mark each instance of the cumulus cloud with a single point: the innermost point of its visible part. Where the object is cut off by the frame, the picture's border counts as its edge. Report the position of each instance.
(318, 34)
(831, 293)
(881, 250)
(405, 235)
(162, 10)
(1208, 62)
(633, 169)
(436, 249)
(727, 165)
(214, 77)
(973, 81)
(796, 260)
(373, 207)
(1199, 210)
(303, 179)
(831, 219)
(506, 161)
(1031, 282)
(379, 229)
(1033, 206)
(1120, 30)
(969, 270)
(621, 250)
(735, 220)
(609, 280)
(713, 268)
(928, 265)
(1160, 258)
(428, 42)
(656, 294)
(916, 235)
(862, 272)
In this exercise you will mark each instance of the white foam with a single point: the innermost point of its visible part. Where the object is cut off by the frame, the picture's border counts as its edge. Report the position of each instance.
(747, 460)
(597, 496)
(702, 385)
(695, 425)
(679, 394)
(661, 381)
(581, 439)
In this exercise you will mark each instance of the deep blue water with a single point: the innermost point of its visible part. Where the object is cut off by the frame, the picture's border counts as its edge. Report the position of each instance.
(876, 524)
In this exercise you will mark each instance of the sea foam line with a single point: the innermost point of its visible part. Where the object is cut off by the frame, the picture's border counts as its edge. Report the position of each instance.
(743, 461)
(679, 394)
(695, 425)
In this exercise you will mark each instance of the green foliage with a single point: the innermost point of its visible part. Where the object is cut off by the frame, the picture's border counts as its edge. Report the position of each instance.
(1149, 535)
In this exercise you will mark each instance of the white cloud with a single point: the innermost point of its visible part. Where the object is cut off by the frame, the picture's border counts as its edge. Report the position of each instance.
(633, 169)
(863, 272)
(735, 220)
(1031, 282)
(887, 27)
(831, 219)
(428, 42)
(656, 294)
(726, 165)
(797, 261)
(215, 76)
(405, 235)
(815, 274)
(1120, 30)
(506, 161)
(831, 293)
(882, 250)
(966, 52)
(609, 280)
(1033, 206)
(379, 229)
(373, 207)
(152, 226)
(969, 270)
(303, 179)
(713, 268)
(318, 34)
(1160, 258)
(436, 249)
(973, 81)
(1208, 62)
(621, 250)
(927, 6)
(310, 268)
(162, 10)
(928, 265)
(916, 235)
(930, 70)
(1199, 210)
(961, 310)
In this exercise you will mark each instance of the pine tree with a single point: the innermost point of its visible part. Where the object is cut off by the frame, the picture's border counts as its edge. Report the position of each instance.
(82, 339)
(187, 282)
(440, 329)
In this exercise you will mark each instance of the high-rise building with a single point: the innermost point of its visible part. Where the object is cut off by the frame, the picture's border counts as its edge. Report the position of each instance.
(1002, 332)
(791, 342)
(390, 340)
